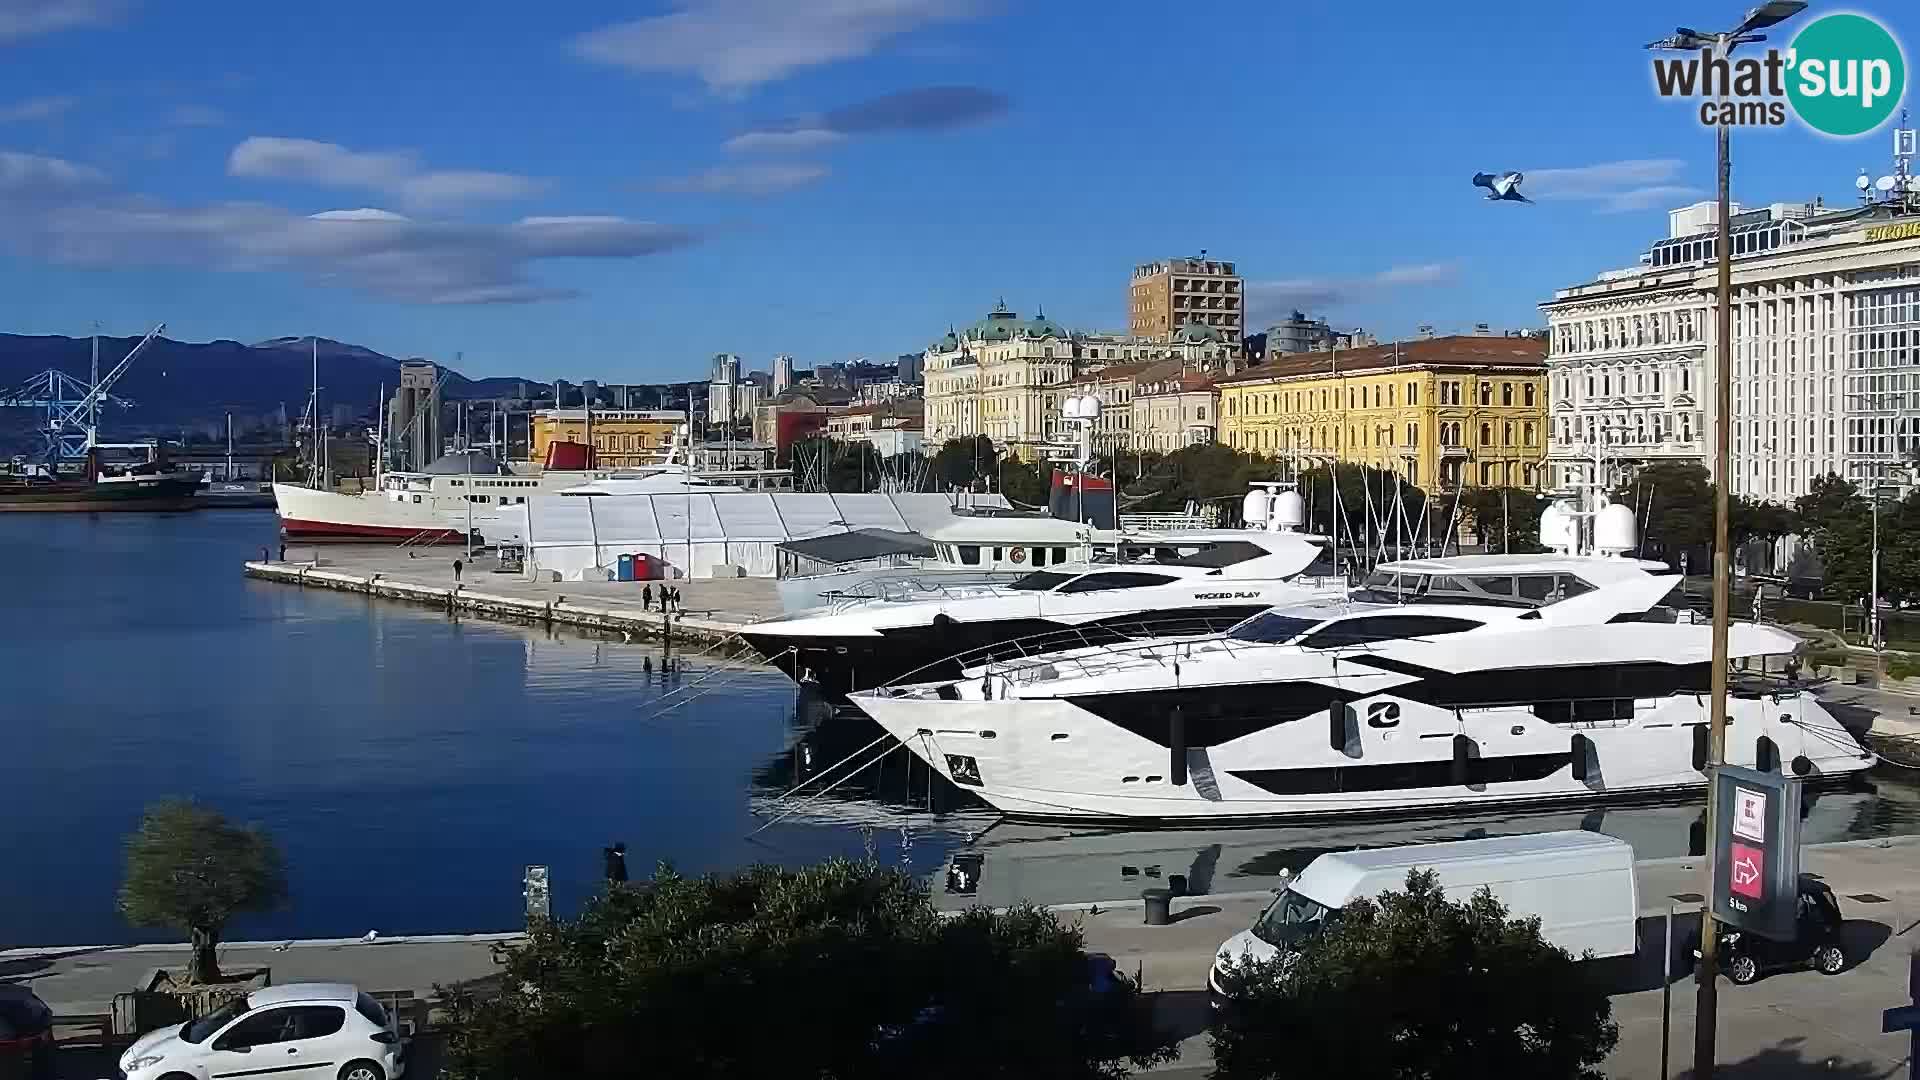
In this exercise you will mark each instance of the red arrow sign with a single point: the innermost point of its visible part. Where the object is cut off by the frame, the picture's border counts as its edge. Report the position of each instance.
(1749, 871)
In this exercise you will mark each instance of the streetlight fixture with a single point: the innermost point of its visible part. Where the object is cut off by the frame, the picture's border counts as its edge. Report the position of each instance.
(1723, 43)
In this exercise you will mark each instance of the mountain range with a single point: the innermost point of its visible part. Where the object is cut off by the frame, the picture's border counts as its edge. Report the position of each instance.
(184, 383)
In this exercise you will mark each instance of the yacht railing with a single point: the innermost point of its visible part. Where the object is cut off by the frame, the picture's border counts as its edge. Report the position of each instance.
(1027, 659)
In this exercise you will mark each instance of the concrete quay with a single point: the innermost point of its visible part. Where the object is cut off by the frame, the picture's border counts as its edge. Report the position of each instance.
(1787, 1024)
(714, 609)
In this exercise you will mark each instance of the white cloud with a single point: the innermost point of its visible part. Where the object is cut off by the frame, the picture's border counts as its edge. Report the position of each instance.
(1269, 301)
(798, 141)
(22, 19)
(28, 175)
(195, 116)
(1633, 184)
(762, 179)
(734, 45)
(40, 108)
(65, 213)
(395, 172)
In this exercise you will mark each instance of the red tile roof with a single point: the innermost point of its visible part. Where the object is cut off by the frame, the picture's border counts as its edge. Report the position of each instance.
(1458, 351)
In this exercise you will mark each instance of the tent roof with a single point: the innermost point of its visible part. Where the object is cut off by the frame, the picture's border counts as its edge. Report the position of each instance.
(858, 545)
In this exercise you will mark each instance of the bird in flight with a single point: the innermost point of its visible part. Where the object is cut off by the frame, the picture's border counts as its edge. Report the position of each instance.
(1502, 188)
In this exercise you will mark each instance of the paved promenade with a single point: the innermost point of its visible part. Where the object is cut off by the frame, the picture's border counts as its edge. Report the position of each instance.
(1788, 1024)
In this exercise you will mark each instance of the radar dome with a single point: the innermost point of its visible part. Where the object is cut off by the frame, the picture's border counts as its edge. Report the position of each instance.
(1557, 525)
(1289, 510)
(1614, 530)
(1254, 507)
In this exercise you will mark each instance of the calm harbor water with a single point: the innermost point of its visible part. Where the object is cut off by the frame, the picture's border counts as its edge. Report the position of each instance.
(411, 764)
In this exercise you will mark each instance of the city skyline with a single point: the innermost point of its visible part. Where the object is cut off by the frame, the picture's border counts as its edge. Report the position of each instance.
(625, 194)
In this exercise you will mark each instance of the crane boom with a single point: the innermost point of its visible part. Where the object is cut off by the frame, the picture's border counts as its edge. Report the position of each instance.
(99, 391)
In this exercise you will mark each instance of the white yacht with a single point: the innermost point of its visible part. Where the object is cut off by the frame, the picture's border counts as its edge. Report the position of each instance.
(1189, 583)
(1481, 680)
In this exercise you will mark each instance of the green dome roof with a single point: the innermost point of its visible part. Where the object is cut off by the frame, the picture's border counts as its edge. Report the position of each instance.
(1195, 333)
(1005, 324)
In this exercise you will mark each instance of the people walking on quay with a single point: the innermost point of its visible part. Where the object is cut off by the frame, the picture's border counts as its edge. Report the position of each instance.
(616, 860)
(457, 566)
(646, 598)
(283, 551)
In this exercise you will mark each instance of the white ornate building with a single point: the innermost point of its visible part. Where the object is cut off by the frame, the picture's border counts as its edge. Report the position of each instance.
(1005, 377)
(1826, 335)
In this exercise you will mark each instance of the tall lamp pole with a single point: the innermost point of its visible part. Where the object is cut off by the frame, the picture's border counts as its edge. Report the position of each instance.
(1706, 1007)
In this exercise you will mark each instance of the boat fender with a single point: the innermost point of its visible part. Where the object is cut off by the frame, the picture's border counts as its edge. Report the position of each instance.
(1462, 751)
(942, 621)
(1700, 748)
(1802, 765)
(1580, 751)
(1177, 744)
(1766, 756)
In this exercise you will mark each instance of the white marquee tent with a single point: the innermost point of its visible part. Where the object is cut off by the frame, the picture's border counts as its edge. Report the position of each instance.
(576, 535)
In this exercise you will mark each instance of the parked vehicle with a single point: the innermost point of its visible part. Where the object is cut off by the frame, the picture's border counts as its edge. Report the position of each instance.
(26, 1035)
(321, 1030)
(1579, 884)
(1746, 956)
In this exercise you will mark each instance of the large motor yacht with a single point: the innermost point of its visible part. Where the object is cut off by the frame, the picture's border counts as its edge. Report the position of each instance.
(1479, 680)
(1187, 583)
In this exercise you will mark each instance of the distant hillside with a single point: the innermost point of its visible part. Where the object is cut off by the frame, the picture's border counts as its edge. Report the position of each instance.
(178, 383)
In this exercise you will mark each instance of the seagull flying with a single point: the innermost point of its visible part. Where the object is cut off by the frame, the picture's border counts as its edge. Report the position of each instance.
(1502, 188)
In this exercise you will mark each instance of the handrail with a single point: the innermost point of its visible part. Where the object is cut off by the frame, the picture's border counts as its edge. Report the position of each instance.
(1115, 639)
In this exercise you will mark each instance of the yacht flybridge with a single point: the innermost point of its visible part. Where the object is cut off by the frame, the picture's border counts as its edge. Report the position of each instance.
(1184, 583)
(1510, 680)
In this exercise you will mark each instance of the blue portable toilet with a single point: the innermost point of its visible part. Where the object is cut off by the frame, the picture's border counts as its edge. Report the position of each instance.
(625, 572)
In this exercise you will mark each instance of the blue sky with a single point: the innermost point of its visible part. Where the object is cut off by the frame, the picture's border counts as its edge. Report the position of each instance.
(621, 190)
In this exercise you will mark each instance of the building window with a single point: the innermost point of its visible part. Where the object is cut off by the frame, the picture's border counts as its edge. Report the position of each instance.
(1486, 393)
(1413, 393)
(1413, 435)
(1486, 434)
(1526, 395)
(1506, 393)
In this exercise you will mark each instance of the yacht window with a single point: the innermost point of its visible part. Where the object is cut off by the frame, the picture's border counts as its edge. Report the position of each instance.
(1039, 556)
(998, 554)
(1217, 555)
(1571, 586)
(1268, 628)
(1114, 580)
(1537, 587)
(1059, 555)
(1498, 586)
(970, 554)
(1388, 587)
(1366, 629)
(1040, 581)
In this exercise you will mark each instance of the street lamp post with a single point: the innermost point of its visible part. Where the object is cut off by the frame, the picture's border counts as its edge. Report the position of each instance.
(1706, 1006)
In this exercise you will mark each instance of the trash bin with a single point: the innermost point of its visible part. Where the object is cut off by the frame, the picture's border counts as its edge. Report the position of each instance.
(1159, 906)
(625, 568)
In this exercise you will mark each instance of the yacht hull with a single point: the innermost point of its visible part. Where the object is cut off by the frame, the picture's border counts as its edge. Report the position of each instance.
(839, 665)
(1049, 759)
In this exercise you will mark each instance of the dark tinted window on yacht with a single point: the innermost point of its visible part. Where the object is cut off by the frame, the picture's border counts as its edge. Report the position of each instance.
(1270, 629)
(1384, 628)
(1114, 580)
(1040, 581)
(969, 554)
(1222, 554)
(1323, 564)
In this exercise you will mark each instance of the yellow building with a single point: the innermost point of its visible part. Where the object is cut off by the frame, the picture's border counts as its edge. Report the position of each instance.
(1439, 411)
(622, 438)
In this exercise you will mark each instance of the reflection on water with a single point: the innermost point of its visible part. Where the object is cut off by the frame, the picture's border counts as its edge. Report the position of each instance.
(412, 765)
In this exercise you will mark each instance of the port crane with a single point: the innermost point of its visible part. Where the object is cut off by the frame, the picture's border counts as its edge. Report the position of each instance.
(72, 406)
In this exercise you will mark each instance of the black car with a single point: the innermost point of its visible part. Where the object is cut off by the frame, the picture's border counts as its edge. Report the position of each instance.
(1746, 956)
(26, 1034)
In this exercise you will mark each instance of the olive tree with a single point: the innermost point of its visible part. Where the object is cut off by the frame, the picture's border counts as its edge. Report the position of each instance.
(1417, 987)
(189, 868)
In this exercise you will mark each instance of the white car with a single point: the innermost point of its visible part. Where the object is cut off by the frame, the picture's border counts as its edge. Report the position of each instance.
(301, 1031)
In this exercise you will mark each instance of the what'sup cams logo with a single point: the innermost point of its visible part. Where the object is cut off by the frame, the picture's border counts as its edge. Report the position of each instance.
(1842, 75)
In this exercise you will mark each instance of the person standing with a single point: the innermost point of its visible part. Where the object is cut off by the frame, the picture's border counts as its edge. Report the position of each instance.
(646, 598)
(457, 567)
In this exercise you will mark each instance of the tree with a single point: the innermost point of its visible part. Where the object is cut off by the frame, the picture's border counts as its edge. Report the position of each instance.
(840, 970)
(1674, 503)
(963, 463)
(1507, 519)
(189, 868)
(1413, 985)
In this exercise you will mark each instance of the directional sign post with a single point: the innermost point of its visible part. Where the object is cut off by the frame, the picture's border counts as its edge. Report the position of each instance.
(1757, 854)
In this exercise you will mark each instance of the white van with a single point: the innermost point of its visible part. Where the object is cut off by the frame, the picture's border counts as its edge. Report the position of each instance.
(1580, 884)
